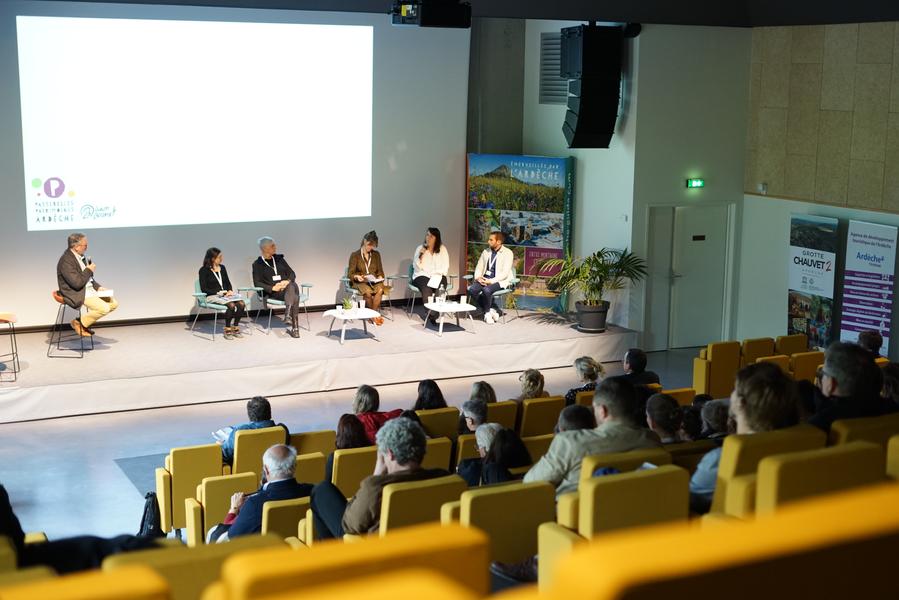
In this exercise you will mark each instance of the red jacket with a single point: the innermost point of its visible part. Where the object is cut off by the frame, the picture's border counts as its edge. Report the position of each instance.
(372, 421)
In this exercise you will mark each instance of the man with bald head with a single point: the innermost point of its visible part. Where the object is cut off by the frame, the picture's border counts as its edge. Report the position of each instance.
(277, 280)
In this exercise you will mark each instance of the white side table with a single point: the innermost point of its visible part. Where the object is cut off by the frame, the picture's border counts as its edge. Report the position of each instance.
(361, 314)
(449, 308)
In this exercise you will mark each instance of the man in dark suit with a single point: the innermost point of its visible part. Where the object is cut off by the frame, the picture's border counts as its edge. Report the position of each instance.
(634, 364)
(245, 517)
(77, 286)
(277, 280)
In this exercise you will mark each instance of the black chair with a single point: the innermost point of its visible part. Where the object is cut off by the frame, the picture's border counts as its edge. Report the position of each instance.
(57, 337)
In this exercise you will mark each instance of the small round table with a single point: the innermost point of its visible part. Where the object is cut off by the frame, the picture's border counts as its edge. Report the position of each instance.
(449, 308)
(361, 314)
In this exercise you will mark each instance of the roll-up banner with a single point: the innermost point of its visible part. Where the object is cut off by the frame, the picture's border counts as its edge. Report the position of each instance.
(813, 253)
(868, 281)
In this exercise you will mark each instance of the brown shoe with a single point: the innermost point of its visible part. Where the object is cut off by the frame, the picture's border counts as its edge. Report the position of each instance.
(379, 321)
(79, 328)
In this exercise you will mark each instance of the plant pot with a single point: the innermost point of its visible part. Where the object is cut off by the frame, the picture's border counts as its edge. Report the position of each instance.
(592, 319)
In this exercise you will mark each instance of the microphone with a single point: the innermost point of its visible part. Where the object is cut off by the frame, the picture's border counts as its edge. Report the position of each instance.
(87, 260)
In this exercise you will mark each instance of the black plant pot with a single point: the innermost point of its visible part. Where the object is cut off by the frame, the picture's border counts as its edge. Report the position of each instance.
(592, 319)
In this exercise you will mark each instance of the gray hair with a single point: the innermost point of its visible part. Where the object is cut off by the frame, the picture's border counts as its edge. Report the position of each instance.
(75, 239)
(715, 414)
(265, 241)
(853, 368)
(481, 390)
(281, 461)
(476, 410)
(588, 369)
(485, 433)
(367, 399)
(404, 438)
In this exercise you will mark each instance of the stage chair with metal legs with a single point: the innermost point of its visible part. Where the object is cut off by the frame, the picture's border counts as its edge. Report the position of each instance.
(386, 308)
(503, 293)
(202, 304)
(270, 304)
(57, 337)
(9, 319)
(410, 303)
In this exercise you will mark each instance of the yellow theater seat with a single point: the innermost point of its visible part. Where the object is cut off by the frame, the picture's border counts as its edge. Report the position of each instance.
(804, 365)
(281, 517)
(8, 558)
(310, 467)
(881, 361)
(868, 429)
(440, 422)
(684, 396)
(131, 583)
(715, 368)
(26, 575)
(893, 457)
(438, 454)
(688, 454)
(791, 344)
(184, 469)
(212, 501)
(189, 570)
(781, 360)
(540, 415)
(756, 348)
(400, 584)
(466, 447)
(584, 398)
(251, 444)
(538, 445)
(351, 466)
(314, 441)
(417, 502)
(505, 413)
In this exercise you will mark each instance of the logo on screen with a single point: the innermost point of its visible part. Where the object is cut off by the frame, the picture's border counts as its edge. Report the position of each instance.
(54, 187)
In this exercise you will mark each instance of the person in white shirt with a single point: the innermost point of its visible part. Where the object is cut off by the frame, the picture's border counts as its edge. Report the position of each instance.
(430, 265)
(492, 273)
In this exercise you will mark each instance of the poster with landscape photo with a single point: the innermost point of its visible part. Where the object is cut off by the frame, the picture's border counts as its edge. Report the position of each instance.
(529, 199)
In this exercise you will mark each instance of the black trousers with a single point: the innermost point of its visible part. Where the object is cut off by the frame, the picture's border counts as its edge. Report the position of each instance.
(291, 297)
(328, 506)
(421, 283)
(482, 295)
(80, 553)
(236, 311)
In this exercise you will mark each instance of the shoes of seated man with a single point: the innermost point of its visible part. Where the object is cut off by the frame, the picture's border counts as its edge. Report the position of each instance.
(294, 333)
(489, 318)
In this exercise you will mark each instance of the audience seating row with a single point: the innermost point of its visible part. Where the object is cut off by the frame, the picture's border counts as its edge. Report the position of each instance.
(717, 364)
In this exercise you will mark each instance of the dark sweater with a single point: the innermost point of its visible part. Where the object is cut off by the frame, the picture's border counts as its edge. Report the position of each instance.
(209, 285)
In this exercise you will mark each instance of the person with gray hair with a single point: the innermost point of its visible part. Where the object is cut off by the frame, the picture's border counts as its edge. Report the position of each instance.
(481, 390)
(851, 383)
(715, 417)
(245, 516)
(278, 281)
(401, 448)
(77, 286)
(475, 413)
(588, 373)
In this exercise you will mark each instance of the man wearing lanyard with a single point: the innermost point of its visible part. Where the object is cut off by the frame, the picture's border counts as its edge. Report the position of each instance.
(75, 277)
(272, 273)
(493, 272)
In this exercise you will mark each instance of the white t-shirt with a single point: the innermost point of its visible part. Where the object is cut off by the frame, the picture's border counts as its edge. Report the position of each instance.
(430, 264)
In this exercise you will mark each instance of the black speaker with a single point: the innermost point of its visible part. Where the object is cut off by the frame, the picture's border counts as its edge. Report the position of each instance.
(591, 61)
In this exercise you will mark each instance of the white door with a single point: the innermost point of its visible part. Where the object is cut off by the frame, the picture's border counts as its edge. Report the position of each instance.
(698, 266)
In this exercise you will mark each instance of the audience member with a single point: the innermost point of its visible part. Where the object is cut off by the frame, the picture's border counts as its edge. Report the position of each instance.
(475, 413)
(871, 341)
(890, 390)
(531, 385)
(401, 448)
(715, 419)
(588, 372)
(575, 417)
(429, 396)
(507, 451)
(613, 406)
(642, 394)
(810, 399)
(259, 413)
(279, 464)
(365, 406)
(350, 434)
(412, 415)
(851, 383)
(663, 415)
(635, 368)
(700, 400)
(764, 399)
(470, 469)
(691, 424)
(481, 390)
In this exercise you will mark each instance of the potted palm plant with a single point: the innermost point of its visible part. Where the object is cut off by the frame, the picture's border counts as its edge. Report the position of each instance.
(593, 276)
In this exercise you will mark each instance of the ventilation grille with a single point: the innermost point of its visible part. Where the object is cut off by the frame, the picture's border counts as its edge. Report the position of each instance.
(553, 89)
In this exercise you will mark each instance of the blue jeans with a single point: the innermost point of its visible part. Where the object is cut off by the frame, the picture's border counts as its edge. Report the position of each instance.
(482, 295)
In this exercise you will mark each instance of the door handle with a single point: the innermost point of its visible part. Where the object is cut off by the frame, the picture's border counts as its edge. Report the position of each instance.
(676, 276)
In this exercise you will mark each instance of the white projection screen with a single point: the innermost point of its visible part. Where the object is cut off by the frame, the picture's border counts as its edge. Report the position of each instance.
(161, 131)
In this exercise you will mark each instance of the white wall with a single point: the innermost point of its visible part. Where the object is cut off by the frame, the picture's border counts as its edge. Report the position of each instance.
(418, 176)
(762, 288)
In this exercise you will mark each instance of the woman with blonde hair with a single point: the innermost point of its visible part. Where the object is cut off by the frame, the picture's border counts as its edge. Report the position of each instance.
(531, 385)
(589, 372)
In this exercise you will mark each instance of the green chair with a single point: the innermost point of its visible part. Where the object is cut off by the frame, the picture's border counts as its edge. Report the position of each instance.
(386, 309)
(450, 283)
(203, 304)
(500, 293)
(270, 304)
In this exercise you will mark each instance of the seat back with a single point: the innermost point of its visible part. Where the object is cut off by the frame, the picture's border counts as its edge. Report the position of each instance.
(893, 457)
(642, 497)
(740, 454)
(8, 559)
(281, 517)
(584, 398)
(438, 454)
(466, 447)
(314, 441)
(135, 582)
(251, 444)
(791, 344)
(805, 364)
(623, 461)
(538, 445)
(684, 396)
(756, 348)
(688, 454)
(869, 429)
(505, 413)
(201, 301)
(781, 360)
(724, 362)
(310, 467)
(351, 466)
(214, 494)
(789, 477)
(188, 466)
(540, 415)
(417, 502)
(440, 422)
(512, 533)
(347, 284)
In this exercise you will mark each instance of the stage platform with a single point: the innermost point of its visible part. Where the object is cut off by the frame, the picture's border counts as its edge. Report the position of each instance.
(151, 366)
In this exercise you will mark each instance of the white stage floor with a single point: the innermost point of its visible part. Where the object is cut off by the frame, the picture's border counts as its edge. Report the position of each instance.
(149, 366)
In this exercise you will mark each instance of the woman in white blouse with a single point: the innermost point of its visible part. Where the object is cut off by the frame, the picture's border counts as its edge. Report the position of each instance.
(430, 264)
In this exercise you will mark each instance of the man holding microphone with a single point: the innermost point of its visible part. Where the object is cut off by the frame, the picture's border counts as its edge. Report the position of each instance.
(75, 276)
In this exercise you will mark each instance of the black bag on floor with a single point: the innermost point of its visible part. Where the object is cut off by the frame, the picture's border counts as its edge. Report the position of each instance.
(150, 523)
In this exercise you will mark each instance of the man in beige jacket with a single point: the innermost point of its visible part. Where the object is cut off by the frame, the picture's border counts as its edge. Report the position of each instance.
(613, 405)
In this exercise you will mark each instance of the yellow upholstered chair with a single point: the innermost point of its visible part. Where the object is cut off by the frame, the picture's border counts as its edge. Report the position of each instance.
(791, 344)
(416, 502)
(457, 552)
(351, 466)
(512, 533)
(869, 429)
(131, 583)
(8, 558)
(655, 387)
(310, 467)
(740, 454)
(466, 447)
(212, 501)
(440, 422)
(505, 413)
(314, 441)
(438, 454)
(251, 444)
(614, 502)
(184, 469)
(804, 365)
(281, 517)
(688, 454)
(893, 457)
(538, 445)
(540, 415)
(26, 575)
(407, 583)
(800, 552)
(684, 396)
(715, 367)
(881, 361)
(781, 360)
(584, 398)
(189, 570)
(756, 348)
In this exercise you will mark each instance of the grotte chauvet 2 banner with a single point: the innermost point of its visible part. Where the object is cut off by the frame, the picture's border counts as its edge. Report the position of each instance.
(813, 254)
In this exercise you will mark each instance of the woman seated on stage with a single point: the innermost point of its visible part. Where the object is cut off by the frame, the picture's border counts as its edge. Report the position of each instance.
(430, 261)
(215, 284)
(365, 407)
(366, 273)
(429, 396)
(350, 434)
(588, 372)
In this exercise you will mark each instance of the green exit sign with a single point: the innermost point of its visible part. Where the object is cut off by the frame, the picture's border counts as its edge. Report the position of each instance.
(695, 183)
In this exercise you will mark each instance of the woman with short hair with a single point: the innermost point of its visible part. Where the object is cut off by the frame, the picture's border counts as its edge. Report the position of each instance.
(588, 372)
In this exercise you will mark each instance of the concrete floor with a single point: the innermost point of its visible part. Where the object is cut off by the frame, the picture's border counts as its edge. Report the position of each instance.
(62, 478)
